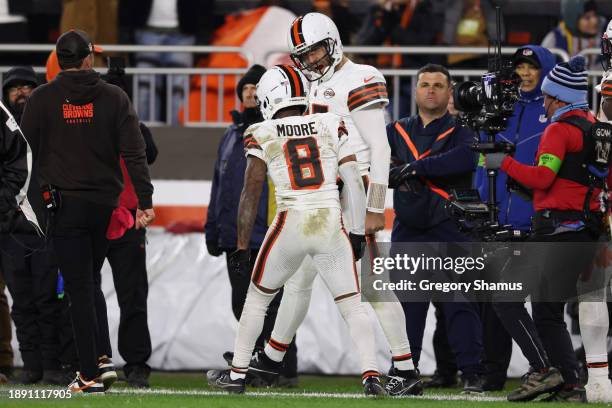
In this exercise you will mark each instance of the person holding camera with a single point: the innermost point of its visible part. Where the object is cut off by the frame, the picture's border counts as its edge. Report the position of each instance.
(431, 155)
(79, 126)
(566, 201)
(525, 127)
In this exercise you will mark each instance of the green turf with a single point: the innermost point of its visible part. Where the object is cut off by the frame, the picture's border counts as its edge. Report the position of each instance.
(185, 383)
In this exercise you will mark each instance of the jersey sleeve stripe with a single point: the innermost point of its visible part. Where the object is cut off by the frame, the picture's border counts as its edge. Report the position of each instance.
(377, 96)
(367, 92)
(358, 91)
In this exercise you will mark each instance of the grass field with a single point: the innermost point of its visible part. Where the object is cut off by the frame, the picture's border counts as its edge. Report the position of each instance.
(190, 390)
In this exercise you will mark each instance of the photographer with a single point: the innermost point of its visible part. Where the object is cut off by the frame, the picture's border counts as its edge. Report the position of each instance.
(79, 127)
(567, 210)
(432, 155)
(525, 127)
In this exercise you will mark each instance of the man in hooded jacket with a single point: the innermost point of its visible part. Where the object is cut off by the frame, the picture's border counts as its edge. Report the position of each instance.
(79, 126)
(30, 268)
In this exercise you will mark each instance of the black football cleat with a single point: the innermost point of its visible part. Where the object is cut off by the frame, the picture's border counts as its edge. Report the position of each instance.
(221, 379)
(372, 387)
(400, 383)
(263, 371)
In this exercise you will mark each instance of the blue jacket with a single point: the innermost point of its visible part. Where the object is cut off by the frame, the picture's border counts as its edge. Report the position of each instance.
(449, 164)
(525, 128)
(225, 194)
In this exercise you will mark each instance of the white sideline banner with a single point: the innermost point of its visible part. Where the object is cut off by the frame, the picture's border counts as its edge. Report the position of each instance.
(192, 324)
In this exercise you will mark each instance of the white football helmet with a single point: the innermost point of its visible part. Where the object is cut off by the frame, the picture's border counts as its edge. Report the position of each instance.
(280, 87)
(308, 33)
(606, 47)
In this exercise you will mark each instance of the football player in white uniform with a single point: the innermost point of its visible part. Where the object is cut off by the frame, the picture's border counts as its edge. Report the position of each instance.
(593, 312)
(357, 93)
(303, 156)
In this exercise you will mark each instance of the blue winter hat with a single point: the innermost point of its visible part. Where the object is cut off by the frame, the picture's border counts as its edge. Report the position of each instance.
(568, 81)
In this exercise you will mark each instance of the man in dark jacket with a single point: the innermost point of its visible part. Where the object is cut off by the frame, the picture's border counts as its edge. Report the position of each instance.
(14, 175)
(79, 126)
(221, 221)
(525, 127)
(22, 81)
(431, 156)
(31, 269)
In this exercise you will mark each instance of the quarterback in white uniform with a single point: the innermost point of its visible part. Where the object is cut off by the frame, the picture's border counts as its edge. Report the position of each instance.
(303, 155)
(593, 309)
(357, 93)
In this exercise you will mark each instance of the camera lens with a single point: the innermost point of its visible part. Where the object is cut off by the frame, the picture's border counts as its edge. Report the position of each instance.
(467, 96)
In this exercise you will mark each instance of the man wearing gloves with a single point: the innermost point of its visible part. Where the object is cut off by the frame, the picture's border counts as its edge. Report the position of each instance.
(525, 127)
(567, 210)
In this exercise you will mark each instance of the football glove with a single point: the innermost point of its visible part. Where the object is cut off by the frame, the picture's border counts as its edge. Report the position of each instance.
(213, 248)
(358, 244)
(239, 262)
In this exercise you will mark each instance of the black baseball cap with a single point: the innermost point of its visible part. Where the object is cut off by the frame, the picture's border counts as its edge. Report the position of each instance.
(526, 54)
(73, 46)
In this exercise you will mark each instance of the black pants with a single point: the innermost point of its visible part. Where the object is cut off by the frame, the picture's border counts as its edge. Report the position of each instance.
(127, 258)
(446, 365)
(6, 351)
(462, 319)
(497, 346)
(496, 339)
(545, 340)
(240, 286)
(31, 274)
(79, 237)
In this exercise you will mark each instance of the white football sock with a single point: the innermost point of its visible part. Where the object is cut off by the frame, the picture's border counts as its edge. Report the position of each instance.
(361, 331)
(393, 322)
(251, 324)
(594, 324)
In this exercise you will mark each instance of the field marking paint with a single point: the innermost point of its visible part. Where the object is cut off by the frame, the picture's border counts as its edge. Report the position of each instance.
(205, 393)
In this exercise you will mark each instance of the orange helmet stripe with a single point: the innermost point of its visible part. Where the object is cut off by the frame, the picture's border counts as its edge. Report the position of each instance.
(297, 37)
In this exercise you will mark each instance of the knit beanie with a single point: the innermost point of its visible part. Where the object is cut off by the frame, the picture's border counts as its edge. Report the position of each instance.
(568, 81)
(252, 76)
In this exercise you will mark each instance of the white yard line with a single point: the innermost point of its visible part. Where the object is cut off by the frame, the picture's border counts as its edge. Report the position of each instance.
(205, 393)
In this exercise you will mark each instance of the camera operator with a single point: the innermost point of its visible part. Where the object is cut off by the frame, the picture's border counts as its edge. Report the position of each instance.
(431, 155)
(525, 127)
(567, 210)
(79, 126)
